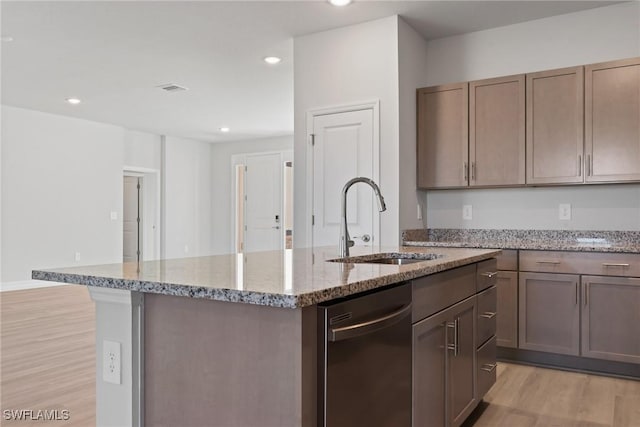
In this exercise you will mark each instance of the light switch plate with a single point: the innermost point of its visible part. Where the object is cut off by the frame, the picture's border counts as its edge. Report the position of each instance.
(467, 212)
(564, 211)
(114, 215)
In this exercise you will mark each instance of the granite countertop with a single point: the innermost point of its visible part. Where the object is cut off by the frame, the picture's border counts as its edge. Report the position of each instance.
(555, 240)
(290, 278)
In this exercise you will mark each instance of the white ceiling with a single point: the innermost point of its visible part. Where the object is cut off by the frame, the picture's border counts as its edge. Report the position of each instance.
(113, 55)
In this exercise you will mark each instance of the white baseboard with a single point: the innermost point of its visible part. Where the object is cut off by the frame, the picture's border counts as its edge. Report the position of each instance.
(27, 284)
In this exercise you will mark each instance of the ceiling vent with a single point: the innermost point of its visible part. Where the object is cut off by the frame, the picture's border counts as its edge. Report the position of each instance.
(173, 88)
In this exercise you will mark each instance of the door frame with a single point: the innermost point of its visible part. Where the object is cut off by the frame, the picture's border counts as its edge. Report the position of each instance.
(238, 159)
(150, 209)
(374, 106)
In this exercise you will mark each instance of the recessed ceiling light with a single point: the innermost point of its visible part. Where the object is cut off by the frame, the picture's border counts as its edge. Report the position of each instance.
(7, 39)
(272, 60)
(340, 2)
(224, 129)
(74, 101)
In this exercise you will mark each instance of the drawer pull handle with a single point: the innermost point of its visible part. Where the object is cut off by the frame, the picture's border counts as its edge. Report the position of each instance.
(614, 264)
(489, 274)
(488, 315)
(548, 262)
(489, 367)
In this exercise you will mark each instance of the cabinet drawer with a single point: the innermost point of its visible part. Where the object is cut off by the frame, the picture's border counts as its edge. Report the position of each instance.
(439, 291)
(487, 305)
(595, 263)
(486, 367)
(508, 260)
(487, 274)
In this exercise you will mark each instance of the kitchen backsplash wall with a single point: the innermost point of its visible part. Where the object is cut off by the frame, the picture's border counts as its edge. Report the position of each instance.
(594, 207)
(590, 36)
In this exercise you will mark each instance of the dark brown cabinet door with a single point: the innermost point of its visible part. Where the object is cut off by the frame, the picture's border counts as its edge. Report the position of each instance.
(507, 323)
(496, 131)
(549, 313)
(555, 117)
(443, 136)
(461, 357)
(429, 371)
(612, 121)
(610, 318)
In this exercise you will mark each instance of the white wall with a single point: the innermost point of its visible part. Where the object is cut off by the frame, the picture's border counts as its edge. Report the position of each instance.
(346, 66)
(61, 178)
(221, 175)
(142, 150)
(595, 35)
(412, 63)
(187, 196)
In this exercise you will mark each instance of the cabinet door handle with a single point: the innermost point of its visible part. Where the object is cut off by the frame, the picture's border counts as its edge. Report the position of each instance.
(455, 326)
(586, 294)
(589, 165)
(489, 274)
(489, 367)
(615, 264)
(579, 165)
(488, 315)
(466, 171)
(577, 290)
(548, 262)
(473, 171)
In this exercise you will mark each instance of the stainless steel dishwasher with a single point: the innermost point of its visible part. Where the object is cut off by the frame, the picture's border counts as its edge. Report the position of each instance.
(364, 360)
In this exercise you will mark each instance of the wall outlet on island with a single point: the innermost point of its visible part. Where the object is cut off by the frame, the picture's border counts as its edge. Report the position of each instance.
(467, 212)
(111, 362)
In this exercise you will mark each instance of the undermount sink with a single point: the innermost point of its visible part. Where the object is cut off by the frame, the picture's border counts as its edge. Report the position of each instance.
(389, 258)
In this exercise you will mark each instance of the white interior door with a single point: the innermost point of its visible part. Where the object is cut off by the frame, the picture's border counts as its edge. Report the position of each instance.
(343, 149)
(131, 219)
(263, 203)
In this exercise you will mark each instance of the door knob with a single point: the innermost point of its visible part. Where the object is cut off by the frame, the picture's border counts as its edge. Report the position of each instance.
(365, 238)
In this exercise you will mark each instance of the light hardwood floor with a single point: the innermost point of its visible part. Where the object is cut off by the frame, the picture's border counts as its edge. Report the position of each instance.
(48, 362)
(527, 396)
(48, 355)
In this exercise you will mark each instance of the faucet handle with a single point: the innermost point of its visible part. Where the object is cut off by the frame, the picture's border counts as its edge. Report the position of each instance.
(350, 243)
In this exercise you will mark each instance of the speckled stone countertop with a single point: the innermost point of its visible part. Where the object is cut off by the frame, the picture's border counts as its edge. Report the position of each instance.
(556, 240)
(291, 278)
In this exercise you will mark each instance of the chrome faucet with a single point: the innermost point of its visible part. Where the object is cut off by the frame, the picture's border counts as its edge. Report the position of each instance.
(345, 240)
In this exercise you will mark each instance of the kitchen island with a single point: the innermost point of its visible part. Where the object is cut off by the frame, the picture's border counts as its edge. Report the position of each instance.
(226, 340)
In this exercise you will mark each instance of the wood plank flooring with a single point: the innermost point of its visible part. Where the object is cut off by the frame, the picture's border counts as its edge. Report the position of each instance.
(48, 362)
(527, 396)
(48, 354)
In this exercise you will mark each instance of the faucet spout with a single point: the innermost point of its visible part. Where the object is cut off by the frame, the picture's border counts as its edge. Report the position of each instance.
(345, 240)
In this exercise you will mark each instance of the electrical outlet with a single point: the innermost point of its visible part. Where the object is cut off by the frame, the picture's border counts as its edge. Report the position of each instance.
(564, 211)
(77, 257)
(419, 212)
(467, 212)
(111, 362)
(114, 215)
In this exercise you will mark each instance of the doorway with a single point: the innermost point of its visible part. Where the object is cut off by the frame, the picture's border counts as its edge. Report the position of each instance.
(141, 214)
(131, 219)
(262, 200)
(344, 145)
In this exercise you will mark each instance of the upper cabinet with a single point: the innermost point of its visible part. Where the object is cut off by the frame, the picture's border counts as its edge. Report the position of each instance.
(496, 131)
(443, 134)
(612, 121)
(554, 126)
(569, 126)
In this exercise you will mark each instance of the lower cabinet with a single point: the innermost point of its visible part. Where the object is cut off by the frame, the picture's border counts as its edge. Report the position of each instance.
(610, 318)
(549, 313)
(444, 359)
(507, 322)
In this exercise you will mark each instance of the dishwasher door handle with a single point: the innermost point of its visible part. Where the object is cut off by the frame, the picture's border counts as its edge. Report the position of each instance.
(363, 328)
